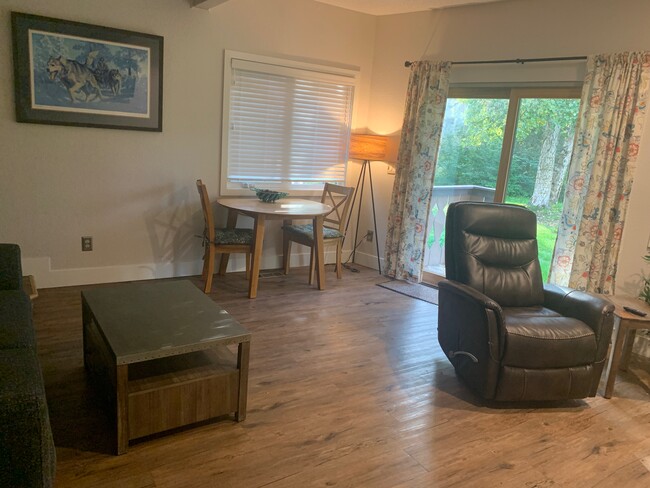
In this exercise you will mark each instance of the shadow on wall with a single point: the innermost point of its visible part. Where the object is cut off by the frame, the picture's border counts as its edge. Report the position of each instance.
(173, 227)
(631, 285)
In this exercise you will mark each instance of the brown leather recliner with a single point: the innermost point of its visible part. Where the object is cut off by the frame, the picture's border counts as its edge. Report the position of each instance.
(509, 336)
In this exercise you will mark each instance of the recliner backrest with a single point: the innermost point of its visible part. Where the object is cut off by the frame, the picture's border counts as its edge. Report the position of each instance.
(493, 248)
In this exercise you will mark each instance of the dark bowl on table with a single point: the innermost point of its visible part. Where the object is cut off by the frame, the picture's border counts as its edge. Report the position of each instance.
(269, 196)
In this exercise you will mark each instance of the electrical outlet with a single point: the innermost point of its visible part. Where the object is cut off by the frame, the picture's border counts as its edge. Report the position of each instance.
(86, 243)
(369, 235)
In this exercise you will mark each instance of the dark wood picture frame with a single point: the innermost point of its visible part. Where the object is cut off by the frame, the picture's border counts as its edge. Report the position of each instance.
(71, 73)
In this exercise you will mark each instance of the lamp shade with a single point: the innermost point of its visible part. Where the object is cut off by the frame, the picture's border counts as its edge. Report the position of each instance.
(367, 147)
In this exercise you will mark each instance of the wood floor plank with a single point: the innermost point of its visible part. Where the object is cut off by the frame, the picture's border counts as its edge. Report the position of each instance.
(348, 388)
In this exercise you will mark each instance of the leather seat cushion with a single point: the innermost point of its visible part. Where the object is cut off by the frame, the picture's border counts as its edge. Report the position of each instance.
(514, 313)
(546, 340)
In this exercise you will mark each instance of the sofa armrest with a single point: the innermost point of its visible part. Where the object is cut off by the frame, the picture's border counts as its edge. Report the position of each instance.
(16, 329)
(593, 310)
(28, 455)
(11, 275)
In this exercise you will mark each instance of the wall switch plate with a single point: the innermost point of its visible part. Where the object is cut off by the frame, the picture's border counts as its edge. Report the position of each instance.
(86, 243)
(369, 235)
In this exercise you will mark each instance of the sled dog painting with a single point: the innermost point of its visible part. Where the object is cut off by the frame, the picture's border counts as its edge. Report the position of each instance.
(80, 74)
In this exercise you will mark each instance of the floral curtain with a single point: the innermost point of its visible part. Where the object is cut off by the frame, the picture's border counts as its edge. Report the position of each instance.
(407, 220)
(610, 124)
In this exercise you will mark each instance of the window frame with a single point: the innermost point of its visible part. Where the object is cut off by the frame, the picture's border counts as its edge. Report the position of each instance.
(514, 95)
(282, 66)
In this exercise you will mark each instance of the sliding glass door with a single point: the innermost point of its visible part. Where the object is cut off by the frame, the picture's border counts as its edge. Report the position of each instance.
(468, 164)
(503, 145)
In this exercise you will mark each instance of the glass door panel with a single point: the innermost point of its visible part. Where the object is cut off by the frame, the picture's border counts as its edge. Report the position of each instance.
(511, 145)
(539, 162)
(467, 167)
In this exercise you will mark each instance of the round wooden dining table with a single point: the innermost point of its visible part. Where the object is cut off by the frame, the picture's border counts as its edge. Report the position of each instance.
(285, 209)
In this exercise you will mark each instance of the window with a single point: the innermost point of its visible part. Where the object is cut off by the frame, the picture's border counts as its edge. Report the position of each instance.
(286, 124)
(503, 145)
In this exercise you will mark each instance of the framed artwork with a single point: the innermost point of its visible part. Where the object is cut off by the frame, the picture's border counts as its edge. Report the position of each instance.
(69, 73)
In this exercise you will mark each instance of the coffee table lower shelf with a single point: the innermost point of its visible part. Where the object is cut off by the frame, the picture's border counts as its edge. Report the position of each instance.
(172, 392)
(157, 395)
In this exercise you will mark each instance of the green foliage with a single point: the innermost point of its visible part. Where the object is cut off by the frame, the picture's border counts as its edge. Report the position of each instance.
(470, 153)
(470, 148)
(431, 238)
(472, 138)
(547, 216)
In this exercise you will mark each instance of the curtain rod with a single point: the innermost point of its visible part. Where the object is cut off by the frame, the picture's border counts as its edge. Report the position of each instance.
(407, 64)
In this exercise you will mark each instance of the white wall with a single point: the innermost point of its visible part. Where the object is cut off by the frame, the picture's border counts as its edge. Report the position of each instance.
(516, 29)
(134, 191)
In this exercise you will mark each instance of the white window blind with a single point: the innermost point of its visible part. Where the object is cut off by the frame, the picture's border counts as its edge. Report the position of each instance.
(287, 127)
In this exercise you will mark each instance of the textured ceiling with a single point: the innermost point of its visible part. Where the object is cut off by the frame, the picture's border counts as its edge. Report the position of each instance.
(389, 7)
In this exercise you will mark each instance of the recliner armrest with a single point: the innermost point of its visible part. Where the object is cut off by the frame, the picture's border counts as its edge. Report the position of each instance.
(466, 292)
(595, 311)
(461, 289)
(471, 333)
(479, 311)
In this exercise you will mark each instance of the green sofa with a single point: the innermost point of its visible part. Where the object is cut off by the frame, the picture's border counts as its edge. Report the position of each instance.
(27, 454)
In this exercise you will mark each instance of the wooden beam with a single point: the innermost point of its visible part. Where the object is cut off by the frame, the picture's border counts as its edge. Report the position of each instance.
(207, 4)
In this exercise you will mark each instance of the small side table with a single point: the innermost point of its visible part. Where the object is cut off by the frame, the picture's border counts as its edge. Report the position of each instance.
(625, 327)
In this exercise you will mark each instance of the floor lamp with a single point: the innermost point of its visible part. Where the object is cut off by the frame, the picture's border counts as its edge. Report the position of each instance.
(366, 148)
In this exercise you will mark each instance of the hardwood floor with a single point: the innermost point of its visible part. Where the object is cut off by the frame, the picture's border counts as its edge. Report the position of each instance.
(349, 388)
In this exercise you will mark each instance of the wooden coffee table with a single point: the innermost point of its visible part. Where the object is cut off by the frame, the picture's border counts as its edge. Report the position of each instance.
(159, 352)
(625, 327)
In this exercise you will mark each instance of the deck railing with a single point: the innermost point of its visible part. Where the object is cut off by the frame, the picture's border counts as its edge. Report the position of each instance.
(434, 255)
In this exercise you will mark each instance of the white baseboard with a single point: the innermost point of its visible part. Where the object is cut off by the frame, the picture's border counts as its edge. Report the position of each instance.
(46, 277)
(365, 259)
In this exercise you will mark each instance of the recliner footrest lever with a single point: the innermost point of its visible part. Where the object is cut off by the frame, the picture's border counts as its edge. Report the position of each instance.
(453, 354)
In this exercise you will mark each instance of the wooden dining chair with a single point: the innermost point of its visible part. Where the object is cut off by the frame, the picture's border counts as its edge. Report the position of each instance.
(220, 240)
(338, 197)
